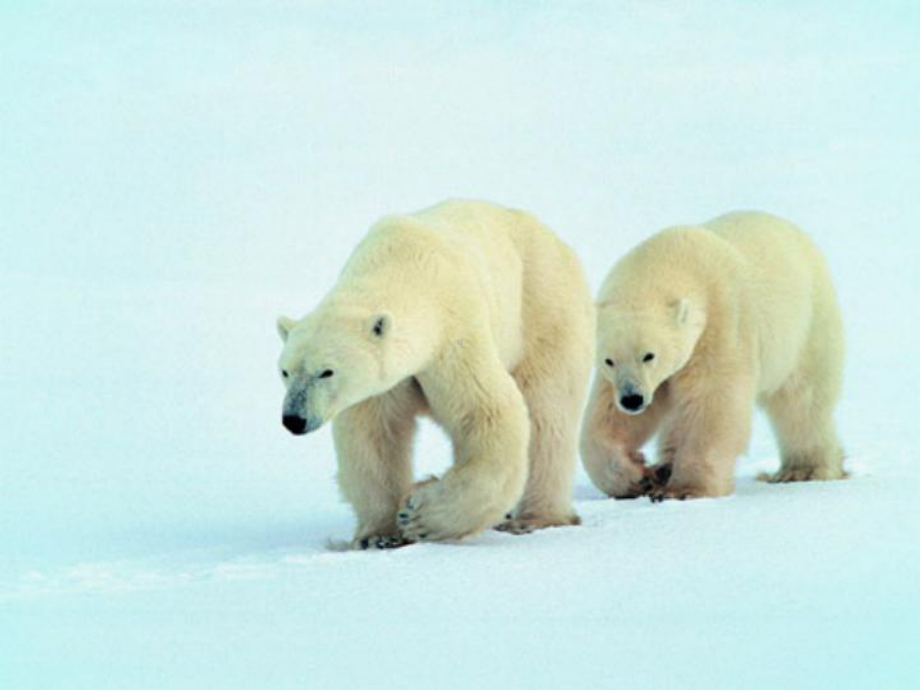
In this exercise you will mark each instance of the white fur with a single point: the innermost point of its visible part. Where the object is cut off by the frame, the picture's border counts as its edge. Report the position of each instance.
(737, 312)
(489, 328)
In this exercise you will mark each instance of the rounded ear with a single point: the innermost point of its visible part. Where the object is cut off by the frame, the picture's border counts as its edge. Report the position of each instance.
(380, 325)
(285, 325)
(682, 311)
(687, 314)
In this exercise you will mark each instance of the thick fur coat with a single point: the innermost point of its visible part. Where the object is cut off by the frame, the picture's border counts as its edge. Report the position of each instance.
(472, 313)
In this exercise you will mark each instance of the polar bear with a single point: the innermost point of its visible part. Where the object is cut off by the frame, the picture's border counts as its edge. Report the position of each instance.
(696, 325)
(477, 315)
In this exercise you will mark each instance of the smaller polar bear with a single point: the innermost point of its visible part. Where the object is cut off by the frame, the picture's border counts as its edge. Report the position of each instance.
(696, 325)
(472, 313)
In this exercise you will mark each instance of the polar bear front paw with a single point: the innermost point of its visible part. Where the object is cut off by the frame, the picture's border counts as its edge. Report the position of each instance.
(650, 479)
(435, 512)
(656, 479)
(625, 475)
(381, 541)
(411, 519)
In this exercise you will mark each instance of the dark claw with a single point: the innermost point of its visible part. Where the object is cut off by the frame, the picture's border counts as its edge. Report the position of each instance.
(383, 542)
(663, 473)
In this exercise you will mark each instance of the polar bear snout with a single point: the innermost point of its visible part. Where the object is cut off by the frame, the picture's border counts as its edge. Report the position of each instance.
(298, 425)
(306, 406)
(631, 400)
(294, 423)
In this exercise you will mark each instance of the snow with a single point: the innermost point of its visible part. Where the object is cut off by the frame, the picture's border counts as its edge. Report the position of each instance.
(176, 175)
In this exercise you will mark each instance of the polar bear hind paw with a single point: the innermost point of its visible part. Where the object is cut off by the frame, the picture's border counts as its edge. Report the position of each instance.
(801, 473)
(664, 493)
(525, 524)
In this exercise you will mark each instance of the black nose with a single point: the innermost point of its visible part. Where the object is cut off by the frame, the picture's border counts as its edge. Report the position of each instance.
(295, 424)
(632, 402)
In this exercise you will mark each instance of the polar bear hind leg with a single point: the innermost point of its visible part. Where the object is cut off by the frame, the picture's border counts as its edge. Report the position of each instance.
(802, 416)
(553, 385)
(801, 411)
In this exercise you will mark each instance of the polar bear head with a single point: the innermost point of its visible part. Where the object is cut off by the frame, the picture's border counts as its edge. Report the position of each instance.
(332, 359)
(638, 350)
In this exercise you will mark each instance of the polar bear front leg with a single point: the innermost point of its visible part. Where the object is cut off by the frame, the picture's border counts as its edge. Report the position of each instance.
(484, 413)
(611, 442)
(373, 442)
(703, 440)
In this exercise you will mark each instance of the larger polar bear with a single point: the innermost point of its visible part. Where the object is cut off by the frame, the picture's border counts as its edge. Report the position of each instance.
(477, 315)
(696, 325)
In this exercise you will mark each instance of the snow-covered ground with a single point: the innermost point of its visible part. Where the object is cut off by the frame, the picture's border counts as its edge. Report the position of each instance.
(174, 175)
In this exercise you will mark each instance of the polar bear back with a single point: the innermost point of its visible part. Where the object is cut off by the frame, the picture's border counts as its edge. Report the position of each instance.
(785, 290)
(482, 248)
(476, 260)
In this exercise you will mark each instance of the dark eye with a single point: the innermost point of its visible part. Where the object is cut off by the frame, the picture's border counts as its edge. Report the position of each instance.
(608, 362)
(649, 356)
(284, 373)
(326, 374)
